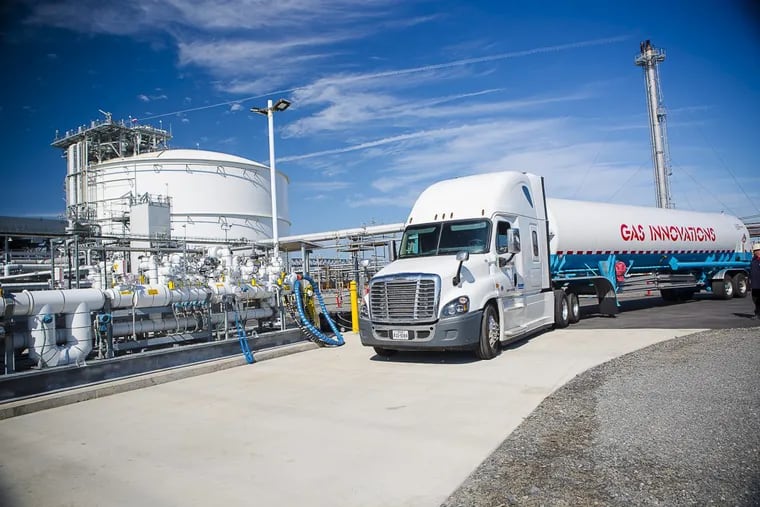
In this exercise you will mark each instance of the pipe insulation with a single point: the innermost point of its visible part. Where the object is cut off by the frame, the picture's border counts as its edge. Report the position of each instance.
(243, 292)
(59, 301)
(145, 296)
(168, 323)
(43, 337)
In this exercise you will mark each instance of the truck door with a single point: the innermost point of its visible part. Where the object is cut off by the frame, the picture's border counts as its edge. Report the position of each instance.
(508, 280)
(533, 272)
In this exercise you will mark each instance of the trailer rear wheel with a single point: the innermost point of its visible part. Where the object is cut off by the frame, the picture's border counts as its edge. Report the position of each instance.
(740, 285)
(383, 352)
(574, 307)
(723, 289)
(490, 332)
(561, 310)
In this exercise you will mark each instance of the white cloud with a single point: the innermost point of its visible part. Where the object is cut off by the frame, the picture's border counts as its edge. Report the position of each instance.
(236, 106)
(259, 42)
(229, 57)
(322, 186)
(95, 16)
(148, 98)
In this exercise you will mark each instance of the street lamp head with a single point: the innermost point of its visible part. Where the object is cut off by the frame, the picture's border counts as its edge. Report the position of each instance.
(281, 105)
(259, 110)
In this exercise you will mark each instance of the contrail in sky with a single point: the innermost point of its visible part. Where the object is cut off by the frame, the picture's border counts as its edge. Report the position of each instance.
(371, 144)
(491, 58)
(401, 72)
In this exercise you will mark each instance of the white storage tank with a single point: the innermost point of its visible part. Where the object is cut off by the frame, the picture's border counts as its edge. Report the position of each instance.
(213, 195)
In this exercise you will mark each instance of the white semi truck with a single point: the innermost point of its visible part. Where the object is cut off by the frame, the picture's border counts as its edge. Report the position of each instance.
(486, 259)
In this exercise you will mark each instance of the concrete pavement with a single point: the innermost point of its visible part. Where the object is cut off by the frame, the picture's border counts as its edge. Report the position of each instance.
(325, 427)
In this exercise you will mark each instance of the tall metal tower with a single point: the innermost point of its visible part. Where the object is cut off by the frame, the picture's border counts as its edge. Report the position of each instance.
(648, 59)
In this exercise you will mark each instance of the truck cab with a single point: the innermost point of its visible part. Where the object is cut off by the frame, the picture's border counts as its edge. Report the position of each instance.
(472, 271)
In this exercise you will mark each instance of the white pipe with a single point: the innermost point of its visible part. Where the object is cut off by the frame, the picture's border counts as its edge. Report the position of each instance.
(171, 323)
(42, 267)
(146, 296)
(153, 270)
(39, 266)
(78, 337)
(41, 326)
(243, 291)
(341, 233)
(60, 301)
(251, 313)
(120, 298)
(154, 325)
(43, 336)
(40, 272)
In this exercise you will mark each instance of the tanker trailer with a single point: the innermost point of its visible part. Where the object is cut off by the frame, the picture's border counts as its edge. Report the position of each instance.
(637, 248)
(485, 260)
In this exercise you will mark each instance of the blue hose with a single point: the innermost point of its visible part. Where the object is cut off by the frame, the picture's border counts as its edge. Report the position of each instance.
(243, 339)
(337, 340)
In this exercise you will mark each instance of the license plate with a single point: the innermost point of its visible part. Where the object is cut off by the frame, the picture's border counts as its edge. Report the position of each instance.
(399, 334)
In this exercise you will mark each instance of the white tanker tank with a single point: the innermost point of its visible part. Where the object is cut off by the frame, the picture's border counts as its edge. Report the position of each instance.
(640, 236)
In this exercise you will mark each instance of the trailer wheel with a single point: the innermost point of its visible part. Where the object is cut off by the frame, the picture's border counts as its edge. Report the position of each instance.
(383, 352)
(723, 289)
(561, 310)
(574, 307)
(740, 285)
(488, 345)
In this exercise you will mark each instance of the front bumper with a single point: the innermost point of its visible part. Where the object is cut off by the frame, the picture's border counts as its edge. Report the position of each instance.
(453, 333)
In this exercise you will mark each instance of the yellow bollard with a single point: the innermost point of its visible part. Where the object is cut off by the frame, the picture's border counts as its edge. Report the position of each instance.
(354, 307)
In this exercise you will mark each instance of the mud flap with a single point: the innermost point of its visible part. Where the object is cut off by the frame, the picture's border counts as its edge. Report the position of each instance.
(608, 304)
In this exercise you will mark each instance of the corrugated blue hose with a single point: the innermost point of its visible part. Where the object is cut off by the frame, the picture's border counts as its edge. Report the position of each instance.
(243, 339)
(337, 340)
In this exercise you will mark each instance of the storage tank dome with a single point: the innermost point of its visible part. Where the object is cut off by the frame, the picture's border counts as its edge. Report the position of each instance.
(213, 195)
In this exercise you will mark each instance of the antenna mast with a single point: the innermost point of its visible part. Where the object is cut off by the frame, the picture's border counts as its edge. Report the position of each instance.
(648, 59)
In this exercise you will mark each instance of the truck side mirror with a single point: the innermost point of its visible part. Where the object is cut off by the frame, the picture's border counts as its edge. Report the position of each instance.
(513, 241)
(501, 243)
(461, 257)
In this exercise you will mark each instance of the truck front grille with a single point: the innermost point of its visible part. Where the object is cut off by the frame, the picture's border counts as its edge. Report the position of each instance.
(404, 299)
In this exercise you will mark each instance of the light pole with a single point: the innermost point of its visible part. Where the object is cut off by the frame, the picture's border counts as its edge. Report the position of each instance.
(280, 105)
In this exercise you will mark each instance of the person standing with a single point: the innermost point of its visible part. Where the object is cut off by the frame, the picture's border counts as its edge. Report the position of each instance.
(754, 278)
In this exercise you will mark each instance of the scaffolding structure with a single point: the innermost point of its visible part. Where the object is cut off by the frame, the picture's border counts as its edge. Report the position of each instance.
(103, 140)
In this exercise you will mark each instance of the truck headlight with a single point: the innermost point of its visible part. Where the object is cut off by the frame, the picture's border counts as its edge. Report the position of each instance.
(456, 307)
(363, 311)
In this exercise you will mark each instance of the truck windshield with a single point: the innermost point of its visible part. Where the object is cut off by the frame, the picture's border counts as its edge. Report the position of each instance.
(446, 238)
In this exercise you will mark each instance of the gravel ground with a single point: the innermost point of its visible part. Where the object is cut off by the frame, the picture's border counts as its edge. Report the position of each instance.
(677, 423)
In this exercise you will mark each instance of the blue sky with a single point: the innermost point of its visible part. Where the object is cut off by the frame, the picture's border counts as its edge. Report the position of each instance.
(392, 95)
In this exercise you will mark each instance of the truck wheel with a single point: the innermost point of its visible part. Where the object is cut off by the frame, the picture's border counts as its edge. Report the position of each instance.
(561, 310)
(574, 306)
(488, 346)
(668, 294)
(380, 351)
(723, 289)
(740, 285)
